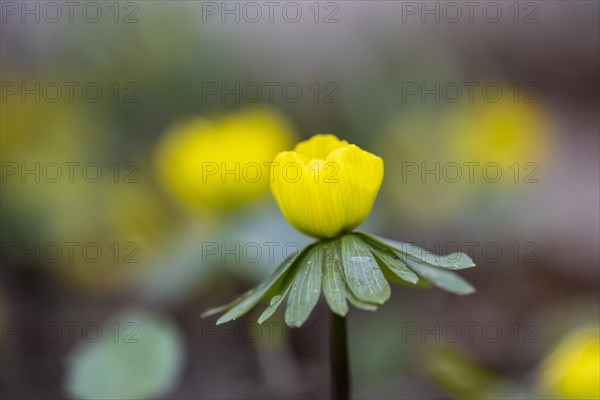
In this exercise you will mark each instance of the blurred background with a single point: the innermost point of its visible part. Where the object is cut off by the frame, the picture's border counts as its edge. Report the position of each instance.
(486, 116)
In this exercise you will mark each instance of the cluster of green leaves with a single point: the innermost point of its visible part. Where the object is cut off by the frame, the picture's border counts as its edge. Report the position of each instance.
(354, 268)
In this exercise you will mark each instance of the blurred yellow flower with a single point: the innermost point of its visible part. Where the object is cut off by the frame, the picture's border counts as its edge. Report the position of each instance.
(503, 132)
(224, 162)
(466, 151)
(572, 371)
(326, 186)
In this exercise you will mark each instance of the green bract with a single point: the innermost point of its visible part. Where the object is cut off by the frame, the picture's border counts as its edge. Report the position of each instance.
(355, 268)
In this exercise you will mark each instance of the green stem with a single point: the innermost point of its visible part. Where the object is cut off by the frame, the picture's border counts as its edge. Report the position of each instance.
(340, 379)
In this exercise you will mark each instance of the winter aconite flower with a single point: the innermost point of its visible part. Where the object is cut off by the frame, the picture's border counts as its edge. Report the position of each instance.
(223, 162)
(326, 186)
(330, 192)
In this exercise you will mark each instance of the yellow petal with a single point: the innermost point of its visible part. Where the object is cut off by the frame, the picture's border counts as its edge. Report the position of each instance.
(327, 190)
(318, 147)
(360, 175)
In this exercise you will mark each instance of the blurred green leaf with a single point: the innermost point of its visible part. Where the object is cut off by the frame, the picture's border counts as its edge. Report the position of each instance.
(139, 359)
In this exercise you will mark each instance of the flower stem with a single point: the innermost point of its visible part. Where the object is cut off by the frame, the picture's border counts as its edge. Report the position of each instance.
(340, 381)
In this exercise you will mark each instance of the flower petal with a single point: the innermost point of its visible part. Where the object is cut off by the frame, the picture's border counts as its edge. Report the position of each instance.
(309, 204)
(359, 179)
(318, 147)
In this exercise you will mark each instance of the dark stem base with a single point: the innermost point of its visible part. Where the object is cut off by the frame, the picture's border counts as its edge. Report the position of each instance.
(340, 371)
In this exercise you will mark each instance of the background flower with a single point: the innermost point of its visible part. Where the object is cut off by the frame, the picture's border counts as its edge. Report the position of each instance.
(572, 370)
(221, 163)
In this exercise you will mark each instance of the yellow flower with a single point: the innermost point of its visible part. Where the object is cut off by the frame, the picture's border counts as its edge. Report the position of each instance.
(224, 162)
(572, 371)
(505, 132)
(326, 186)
